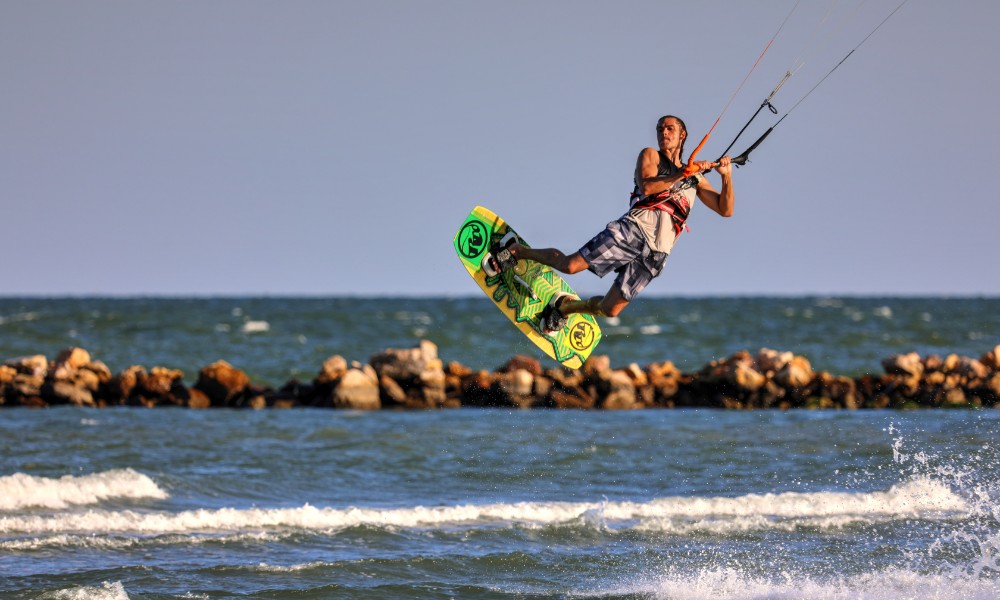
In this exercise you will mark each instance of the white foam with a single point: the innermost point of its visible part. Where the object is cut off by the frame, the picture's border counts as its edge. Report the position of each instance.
(266, 568)
(19, 318)
(98, 542)
(256, 327)
(889, 584)
(883, 311)
(915, 499)
(19, 491)
(107, 591)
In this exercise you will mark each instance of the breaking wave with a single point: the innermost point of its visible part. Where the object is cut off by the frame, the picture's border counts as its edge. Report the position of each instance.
(916, 499)
(20, 491)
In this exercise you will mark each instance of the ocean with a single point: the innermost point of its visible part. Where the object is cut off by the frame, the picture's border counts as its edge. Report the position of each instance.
(129, 503)
(275, 339)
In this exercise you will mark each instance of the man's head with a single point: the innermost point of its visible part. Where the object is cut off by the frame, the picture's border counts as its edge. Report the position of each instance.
(670, 134)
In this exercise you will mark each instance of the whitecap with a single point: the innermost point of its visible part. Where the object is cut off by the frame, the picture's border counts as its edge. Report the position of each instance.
(106, 591)
(19, 491)
(919, 498)
(256, 327)
(732, 584)
(883, 311)
(19, 317)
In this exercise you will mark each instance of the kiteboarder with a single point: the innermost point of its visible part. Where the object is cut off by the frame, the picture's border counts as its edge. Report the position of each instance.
(636, 245)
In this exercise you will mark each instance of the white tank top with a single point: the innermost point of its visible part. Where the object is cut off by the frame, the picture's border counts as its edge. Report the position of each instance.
(657, 226)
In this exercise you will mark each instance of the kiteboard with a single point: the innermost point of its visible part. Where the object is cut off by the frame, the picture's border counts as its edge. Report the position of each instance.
(524, 290)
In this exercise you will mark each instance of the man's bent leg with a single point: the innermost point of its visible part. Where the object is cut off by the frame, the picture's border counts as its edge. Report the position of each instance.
(571, 264)
(609, 306)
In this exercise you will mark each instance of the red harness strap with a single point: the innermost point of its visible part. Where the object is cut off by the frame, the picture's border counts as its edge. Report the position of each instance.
(676, 205)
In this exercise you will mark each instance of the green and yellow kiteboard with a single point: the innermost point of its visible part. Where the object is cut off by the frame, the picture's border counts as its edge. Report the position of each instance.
(524, 290)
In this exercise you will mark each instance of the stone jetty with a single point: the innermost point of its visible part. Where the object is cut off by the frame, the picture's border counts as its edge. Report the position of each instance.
(416, 378)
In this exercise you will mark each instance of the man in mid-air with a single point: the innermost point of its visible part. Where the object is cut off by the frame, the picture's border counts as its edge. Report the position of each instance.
(637, 244)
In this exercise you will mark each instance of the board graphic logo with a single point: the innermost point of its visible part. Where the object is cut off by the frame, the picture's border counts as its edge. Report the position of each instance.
(472, 239)
(581, 336)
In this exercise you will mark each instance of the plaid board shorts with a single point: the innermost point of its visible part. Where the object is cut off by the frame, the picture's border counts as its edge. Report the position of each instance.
(622, 248)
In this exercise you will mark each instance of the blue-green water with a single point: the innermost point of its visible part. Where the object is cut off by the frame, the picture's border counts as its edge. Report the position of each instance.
(274, 339)
(135, 503)
(154, 504)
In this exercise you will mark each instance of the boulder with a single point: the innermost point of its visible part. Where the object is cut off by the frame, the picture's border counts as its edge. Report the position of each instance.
(223, 383)
(66, 392)
(358, 389)
(159, 382)
(991, 360)
(956, 397)
(637, 375)
(621, 392)
(36, 365)
(564, 389)
(26, 386)
(124, 383)
(420, 374)
(665, 379)
(965, 367)
(75, 358)
(992, 385)
(528, 363)
(433, 383)
(561, 397)
(406, 364)
(736, 371)
(933, 364)
(454, 374)
(597, 367)
(332, 370)
(768, 361)
(746, 378)
(644, 390)
(456, 369)
(515, 388)
(842, 391)
(391, 392)
(87, 380)
(100, 369)
(198, 399)
(478, 390)
(796, 373)
(907, 365)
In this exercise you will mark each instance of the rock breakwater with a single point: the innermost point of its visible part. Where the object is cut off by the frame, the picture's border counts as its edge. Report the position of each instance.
(416, 378)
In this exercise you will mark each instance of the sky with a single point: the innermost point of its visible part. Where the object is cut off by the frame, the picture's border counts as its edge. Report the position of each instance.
(334, 147)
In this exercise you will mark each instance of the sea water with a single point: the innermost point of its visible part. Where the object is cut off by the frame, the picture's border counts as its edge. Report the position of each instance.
(311, 503)
(275, 339)
(169, 503)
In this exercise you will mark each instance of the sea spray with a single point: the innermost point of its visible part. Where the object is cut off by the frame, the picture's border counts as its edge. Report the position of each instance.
(969, 547)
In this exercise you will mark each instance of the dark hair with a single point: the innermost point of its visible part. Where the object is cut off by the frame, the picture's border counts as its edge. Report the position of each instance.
(659, 123)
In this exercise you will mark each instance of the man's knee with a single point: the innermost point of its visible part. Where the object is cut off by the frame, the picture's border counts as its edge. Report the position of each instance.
(613, 303)
(613, 309)
(576, 263)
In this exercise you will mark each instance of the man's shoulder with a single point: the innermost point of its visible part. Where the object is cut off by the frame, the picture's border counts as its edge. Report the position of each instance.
(650, 153)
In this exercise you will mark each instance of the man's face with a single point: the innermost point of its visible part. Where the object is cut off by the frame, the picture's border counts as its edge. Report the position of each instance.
(670, 133)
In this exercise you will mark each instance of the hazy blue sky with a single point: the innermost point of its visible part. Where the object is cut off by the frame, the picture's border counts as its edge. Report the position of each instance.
(334, 147)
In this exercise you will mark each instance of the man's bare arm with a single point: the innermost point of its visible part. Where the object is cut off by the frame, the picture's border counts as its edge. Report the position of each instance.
(721, 202)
